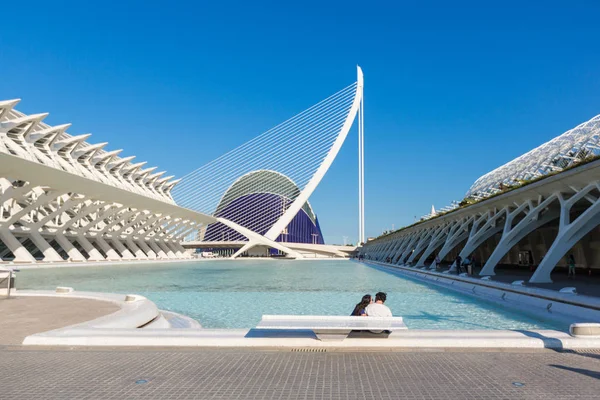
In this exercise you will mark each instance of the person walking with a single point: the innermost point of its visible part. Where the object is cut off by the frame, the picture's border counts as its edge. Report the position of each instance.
(458, 262)
(571, 263)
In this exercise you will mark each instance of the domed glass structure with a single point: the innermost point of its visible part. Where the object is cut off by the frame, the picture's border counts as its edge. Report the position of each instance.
(256, 201)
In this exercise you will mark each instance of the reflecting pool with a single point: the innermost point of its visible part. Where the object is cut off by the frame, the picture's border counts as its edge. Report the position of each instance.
(234, 294)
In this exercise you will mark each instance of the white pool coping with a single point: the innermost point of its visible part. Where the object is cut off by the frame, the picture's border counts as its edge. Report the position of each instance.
(69, 264)
(131, 314)
(242, 338)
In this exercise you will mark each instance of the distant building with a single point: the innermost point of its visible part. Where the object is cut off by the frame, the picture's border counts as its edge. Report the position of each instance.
(256, 201)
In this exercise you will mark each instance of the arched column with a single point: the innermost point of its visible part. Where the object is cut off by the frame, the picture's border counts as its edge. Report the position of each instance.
(421, 245)
(458, 234)
(438, 238)
(569, 232)
(410, 247)
(397, 242)
(383, 253)
(513, 235)
(483, 228)
(403, 243)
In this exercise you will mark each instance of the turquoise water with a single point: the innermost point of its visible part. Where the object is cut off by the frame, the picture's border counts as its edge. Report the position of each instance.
(235, 294)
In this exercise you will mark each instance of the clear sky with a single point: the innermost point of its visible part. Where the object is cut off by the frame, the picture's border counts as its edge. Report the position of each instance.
(452, 89)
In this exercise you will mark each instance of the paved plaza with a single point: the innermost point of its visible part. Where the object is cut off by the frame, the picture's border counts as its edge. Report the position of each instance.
(25, 315)
(29, 373)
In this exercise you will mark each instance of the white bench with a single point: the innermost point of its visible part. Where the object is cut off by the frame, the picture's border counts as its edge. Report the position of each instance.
(330, 327)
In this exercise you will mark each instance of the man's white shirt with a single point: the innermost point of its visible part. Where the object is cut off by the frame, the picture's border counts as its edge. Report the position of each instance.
(378, 310)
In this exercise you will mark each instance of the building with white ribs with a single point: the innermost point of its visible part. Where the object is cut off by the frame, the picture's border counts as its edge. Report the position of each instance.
(538, 211)
(66, 199)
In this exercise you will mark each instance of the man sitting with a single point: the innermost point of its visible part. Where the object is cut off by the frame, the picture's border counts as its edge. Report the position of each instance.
(378, 309)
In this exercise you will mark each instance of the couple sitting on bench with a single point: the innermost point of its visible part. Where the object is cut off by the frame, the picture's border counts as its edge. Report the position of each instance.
(327, 327)
(368, 308)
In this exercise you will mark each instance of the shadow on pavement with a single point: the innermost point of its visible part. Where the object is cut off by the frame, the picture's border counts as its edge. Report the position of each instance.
(586, 372)
(549, 343)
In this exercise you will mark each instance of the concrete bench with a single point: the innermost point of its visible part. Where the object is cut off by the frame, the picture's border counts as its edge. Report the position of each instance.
(330, 327)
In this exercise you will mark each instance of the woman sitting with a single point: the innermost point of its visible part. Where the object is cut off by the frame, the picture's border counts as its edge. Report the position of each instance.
(360, 308)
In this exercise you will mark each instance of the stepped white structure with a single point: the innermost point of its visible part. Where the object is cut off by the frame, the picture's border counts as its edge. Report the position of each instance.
(64, 198)
(539, 224)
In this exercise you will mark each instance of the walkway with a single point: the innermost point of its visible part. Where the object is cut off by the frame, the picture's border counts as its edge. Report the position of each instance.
(26, 315)
(584, 283)
(237, 374)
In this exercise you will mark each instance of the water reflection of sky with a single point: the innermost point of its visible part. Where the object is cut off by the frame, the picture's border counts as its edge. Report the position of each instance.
(235, 294)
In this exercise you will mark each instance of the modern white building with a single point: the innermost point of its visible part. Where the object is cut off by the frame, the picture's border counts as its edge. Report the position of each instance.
(537, 211)
(64, 198)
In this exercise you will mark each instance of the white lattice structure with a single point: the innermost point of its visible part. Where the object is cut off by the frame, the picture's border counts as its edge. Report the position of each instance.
(299, 151)
(562, 152)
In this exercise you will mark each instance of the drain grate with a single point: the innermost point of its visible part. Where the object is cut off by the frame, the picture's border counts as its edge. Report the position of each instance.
(309, 350)
(588, 351)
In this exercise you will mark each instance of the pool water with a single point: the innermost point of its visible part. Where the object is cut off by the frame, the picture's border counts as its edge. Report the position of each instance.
(235, 294)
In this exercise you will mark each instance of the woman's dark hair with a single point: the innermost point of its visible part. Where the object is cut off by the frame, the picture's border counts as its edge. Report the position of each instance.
(360, 307)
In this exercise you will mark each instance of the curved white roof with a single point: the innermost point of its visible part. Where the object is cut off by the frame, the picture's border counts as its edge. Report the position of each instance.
(563, 151)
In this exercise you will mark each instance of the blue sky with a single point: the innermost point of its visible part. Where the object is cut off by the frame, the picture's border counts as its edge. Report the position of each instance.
(452, 89)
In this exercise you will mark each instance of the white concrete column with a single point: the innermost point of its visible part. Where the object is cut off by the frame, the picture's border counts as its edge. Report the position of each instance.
(159, 252)
(384, 248)
(569, 232)
(400, 249)
(144, 246)
(391, 245)
(411, 246)
(421, 245)
(111, 254)
(483, 228)
(180, 251)
(74, 254)
(389, 251)
(139, 254)
(513, 235)
(165, 248)
(93, 253)
(19, 251)
(460, 233)
(125, 253)
(49, 253)
(439, 237)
